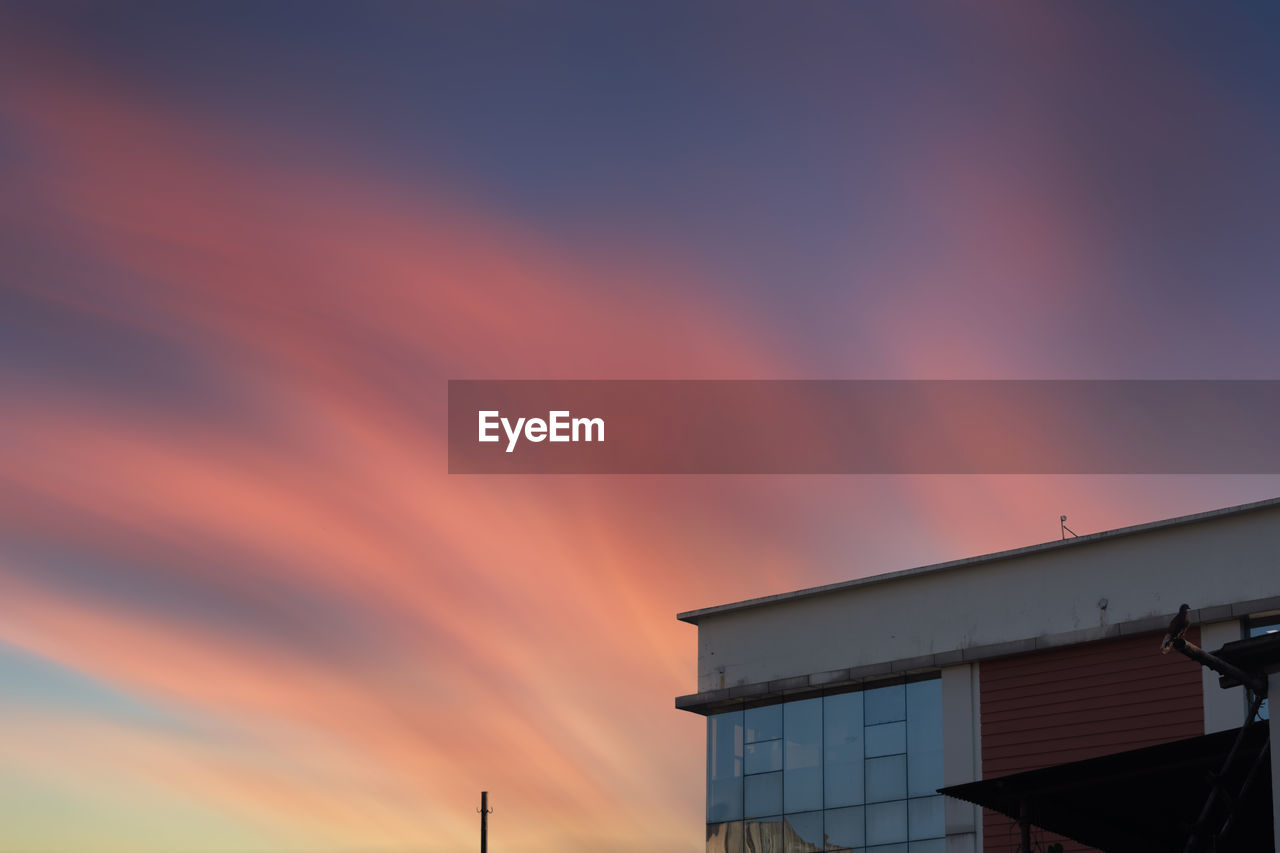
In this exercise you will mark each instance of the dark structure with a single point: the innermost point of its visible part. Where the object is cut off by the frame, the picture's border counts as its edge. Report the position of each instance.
(1211, 792)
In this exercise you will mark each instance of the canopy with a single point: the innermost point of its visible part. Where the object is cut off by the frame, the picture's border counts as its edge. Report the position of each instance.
(1142, 800)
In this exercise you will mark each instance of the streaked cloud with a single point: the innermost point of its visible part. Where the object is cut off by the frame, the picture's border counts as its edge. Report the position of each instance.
(245, 606)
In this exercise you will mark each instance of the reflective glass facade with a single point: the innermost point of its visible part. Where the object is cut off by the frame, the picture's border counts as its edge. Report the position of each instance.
(847, 771)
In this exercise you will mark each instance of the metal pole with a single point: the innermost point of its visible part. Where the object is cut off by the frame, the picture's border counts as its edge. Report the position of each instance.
(1248, 783)
(1024, 824)
(1217, 664)
(484, 821)
(1199, 830)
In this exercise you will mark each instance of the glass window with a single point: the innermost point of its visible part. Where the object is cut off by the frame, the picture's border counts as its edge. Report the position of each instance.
(764, 723)
(802, 833)
(886, 704)
(934, 845)
(886, 739)
(1264, 626)
(762, 795)
(926, 818)
(763, 836)
(853, 771)
(886, 778)
(845, 828)
(802, 775)
(924, 773)
(887, 822)
(924, 737)
(763, 756)
(724, 837)
(924, 716)
(724, 767)
(842, 749)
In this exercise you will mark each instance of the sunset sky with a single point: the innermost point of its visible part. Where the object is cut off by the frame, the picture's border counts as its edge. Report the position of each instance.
(244, 608)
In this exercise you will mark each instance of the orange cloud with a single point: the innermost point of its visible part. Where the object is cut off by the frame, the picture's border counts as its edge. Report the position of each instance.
(509, 634)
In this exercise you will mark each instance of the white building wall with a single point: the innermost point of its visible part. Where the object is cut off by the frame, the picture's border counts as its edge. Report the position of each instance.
(1052, 593)
(1223, 709)
(961, 754)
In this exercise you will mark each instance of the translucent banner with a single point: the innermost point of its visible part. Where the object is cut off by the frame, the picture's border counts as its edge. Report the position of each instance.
(864, 427)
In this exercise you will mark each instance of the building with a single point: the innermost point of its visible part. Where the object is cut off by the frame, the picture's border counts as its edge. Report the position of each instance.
(835, 714)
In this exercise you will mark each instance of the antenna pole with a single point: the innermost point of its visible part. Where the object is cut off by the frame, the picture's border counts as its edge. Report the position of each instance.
(485, 811)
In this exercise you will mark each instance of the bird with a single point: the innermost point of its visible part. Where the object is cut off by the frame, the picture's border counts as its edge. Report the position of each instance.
(1178, 626)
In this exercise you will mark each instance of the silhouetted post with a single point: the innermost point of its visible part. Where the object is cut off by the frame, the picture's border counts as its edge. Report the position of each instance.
(485, 811)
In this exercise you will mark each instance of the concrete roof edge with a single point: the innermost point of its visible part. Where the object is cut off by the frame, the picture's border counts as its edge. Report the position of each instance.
(693, 616)
(777, 688)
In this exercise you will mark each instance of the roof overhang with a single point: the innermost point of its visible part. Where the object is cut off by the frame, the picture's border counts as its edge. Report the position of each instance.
(694, 617)
(1144, 800)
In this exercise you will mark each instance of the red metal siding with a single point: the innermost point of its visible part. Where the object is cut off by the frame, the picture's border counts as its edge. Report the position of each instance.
(1078, 702)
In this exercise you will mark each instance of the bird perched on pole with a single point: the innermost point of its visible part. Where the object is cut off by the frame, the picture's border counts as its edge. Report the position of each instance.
(1178, 626)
